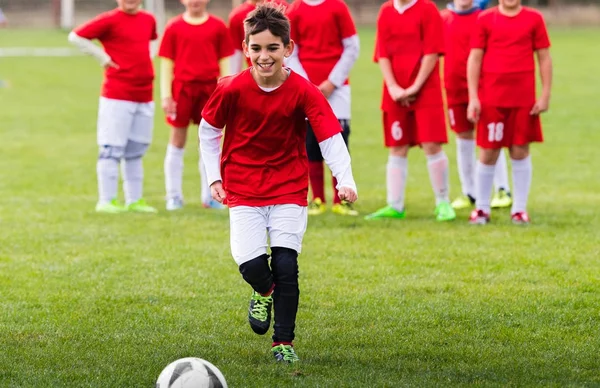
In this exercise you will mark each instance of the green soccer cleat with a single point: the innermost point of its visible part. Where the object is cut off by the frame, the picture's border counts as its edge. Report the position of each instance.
(500, 199)
(285, 353)
(463, 202)
(259, 313)
(316, 207)
(140, 206)
(112, 207)
(344, 209)
(444, 211)
(386, 212)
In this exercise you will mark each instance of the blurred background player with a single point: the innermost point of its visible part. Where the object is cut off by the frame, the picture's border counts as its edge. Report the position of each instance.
(504, 102)
(263, 169)
(459, 23)
(126, 109)
(236, 32)
(409, 43)
(326, 48)
(3, 19)
(194, 52)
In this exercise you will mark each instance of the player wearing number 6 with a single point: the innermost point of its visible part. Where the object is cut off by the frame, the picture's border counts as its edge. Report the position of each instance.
(502, 100)
(409, 43)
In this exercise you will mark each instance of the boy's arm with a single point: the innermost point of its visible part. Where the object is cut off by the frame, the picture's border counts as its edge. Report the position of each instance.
(427, 65)
(340, 72)
(336, 155)
(166, 80)
(210, 150)
(225, 66)
(88, 47)
(545, 65)
(236, 62)
(473, 74)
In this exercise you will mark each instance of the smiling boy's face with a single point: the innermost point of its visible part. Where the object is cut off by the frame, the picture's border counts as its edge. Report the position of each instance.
(267, 51)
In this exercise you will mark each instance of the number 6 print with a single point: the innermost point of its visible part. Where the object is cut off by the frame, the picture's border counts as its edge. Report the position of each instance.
(495, 132)
(396, 130)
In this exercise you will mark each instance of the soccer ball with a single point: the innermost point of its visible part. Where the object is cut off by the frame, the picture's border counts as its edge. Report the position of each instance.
(191, 372)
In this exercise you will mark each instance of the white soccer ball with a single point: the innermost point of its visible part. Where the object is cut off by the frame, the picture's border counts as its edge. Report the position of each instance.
(191, 372)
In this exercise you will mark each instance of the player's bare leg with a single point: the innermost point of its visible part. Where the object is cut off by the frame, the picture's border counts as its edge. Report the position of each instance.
(484, 181)
(522, 174)
(439, 175)
(466, 161)
(396, 174)
(173, 165)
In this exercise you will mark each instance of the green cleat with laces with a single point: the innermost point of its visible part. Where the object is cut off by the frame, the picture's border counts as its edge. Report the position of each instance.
(444, 211)
(259, 313)
(386, 212)
(112, 207)
(140, 206)
(501, 198)
(285, 353)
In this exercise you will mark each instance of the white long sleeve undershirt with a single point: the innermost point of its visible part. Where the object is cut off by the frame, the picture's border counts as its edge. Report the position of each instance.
(235, 63)
(334, 151)
(293, 62)
(88, 47)
(341, 71)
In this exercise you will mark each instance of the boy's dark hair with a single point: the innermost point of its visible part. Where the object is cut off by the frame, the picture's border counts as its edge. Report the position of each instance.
(268, 16)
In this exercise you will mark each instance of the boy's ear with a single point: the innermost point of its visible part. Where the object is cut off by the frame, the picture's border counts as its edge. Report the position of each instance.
(245, 49)
(289, 49)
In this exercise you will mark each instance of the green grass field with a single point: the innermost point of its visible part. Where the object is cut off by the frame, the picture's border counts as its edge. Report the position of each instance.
(90, 300)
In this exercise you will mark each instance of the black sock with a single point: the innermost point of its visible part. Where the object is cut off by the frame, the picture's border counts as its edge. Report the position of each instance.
(257, 273)
(284, 263)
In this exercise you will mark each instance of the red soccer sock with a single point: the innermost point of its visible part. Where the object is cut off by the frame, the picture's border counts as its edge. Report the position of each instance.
(315, 173)
(336, 198)
(270, 291)
(281, 343)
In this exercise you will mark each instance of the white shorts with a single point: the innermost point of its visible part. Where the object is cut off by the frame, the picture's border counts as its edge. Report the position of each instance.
(120, 121)
(284, 225)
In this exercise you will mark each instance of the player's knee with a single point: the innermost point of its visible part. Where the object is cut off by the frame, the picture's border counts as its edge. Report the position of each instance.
(135, 150)
(284, 263)
(111, 152)
(257, 273)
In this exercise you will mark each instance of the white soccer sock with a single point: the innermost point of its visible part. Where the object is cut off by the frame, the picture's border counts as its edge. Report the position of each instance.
(205, 195)
(174, 171)
(439, 176)
(501, 174)
(465, 158)
(397, 171)
(522, 171)
(484, 180)
(108, 179)
(133, 179)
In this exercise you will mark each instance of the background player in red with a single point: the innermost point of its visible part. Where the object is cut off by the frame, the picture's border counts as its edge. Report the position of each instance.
(263, 173)
(126, 109)
(326, 48)
(194, 52)
(409, 43)
(236, 32)
(459, 23)
(501, 78)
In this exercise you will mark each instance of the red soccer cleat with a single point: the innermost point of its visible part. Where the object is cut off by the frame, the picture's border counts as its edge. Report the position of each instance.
(520, 218)
(479, 217)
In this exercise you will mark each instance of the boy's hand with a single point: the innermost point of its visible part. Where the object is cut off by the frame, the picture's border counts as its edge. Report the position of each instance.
(326, 88)
(396, 92)
(347, 194)
(540, 106)
(474, 110)
(412, 91)
(217, 191)
(169, 106)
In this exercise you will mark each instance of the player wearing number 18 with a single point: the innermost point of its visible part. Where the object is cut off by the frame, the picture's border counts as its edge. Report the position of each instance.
(501, 81)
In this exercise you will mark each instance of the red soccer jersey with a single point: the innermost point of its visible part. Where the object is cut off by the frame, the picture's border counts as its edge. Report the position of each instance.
(404, 38)
(508, 68)
(126, 38)
(264, 159)
(196, 49)
(457, 36)
(236, 23)
(319, 30)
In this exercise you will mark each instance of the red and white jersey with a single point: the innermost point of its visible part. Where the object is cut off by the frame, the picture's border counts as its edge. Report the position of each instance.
(404, 38)
(236, 23)
(319, 30)
(509, 44)
(458, 29)
(126, 39)
(196, 49)
(264, 159)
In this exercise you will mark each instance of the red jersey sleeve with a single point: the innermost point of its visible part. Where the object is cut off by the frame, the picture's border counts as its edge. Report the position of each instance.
(97, 28)
(345, 22)
(540, 34)
(236, 31)
(225, 45)
(479, 36)
(216, 110)
(380, 49)
(167, 46)
(433, 30)
(319, 114)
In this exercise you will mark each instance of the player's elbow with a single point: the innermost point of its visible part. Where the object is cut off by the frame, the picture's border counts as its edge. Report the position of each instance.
(72, 38)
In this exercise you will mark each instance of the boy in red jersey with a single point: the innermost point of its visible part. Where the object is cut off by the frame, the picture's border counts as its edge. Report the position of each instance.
(326, 48)
(501, 78)
(194, 50)
(459, 23)
(263, 173)
(126, 109)
(409, 43)
(236, 32)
